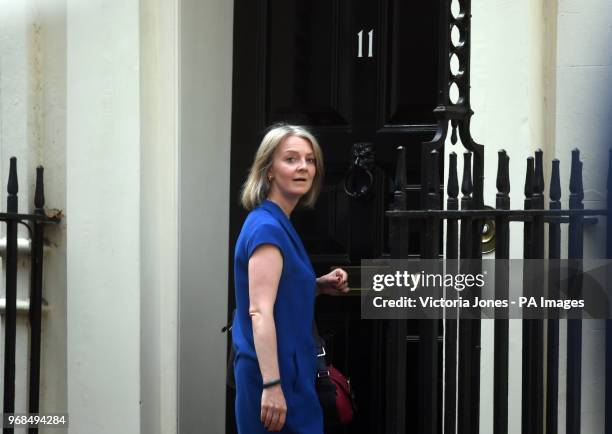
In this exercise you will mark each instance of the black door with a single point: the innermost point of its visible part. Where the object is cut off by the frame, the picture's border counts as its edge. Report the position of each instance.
(354, 72)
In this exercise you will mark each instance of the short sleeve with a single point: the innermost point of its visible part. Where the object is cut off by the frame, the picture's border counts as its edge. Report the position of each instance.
(266, 233)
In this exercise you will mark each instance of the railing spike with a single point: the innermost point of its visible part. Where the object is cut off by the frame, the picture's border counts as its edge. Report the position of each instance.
(12, 187)
(538, 184)
(580, 186)
(555, 181)
(466, 182)
(576, 188)
(502, 200)
(529, 175)
(503, 174)
(452, 187)
(574, 171)
(39, 194)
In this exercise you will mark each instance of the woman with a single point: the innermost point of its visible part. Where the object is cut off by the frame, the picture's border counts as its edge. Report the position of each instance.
(275, 364)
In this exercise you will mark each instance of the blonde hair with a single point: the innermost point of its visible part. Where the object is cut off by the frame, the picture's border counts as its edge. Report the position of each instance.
(257, 186)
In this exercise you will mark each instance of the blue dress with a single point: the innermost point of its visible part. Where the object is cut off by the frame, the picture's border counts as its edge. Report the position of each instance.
(293, 314)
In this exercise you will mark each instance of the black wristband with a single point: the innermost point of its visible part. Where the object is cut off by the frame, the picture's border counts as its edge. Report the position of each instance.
(271, 383)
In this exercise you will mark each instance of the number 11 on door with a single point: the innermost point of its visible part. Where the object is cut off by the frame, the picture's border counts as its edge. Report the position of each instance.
(370, 43)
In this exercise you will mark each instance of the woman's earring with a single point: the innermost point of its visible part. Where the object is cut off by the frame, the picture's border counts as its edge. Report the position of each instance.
(270, 178)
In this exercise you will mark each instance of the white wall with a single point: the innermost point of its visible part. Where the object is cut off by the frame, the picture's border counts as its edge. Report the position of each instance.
(540, 77)
(159, 215)
(583, 111)
(103, 216)
(81, 92)
(33, 128)
(15, 137)
(584, 74)
(205, 115)
(50, 106)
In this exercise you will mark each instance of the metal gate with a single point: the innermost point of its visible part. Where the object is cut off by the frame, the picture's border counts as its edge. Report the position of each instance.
(464, 219)
(35, 223)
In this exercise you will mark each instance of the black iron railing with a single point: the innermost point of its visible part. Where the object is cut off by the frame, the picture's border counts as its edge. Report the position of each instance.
(465, 220)
(461, 398)
(35, 223)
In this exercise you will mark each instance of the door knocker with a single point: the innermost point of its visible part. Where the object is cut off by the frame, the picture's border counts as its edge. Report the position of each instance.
(359, 179)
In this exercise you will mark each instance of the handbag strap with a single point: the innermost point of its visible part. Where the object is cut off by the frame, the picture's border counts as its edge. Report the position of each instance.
(322, 369)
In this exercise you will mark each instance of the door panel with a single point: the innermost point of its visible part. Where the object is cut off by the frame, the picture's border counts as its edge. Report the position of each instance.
(325, 231)
(406, 26)
(308, 76)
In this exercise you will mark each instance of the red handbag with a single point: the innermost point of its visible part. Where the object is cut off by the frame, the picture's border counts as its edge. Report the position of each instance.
(334, 389)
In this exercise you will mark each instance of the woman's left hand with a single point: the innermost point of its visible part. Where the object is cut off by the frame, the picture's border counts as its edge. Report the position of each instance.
(333, 283)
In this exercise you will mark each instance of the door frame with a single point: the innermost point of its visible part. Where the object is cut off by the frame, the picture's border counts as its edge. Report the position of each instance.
(204, 113)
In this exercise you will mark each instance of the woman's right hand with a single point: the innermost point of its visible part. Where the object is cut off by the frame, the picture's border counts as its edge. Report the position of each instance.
(273, 408)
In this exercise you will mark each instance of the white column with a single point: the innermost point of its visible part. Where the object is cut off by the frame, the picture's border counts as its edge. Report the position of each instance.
(205, 127)
(159, 213)
(103, 216)
(584, 74)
